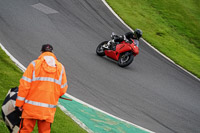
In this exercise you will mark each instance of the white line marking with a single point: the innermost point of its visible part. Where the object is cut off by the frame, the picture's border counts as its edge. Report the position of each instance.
(48, 10)
(86, 104)
(76, 99)
(43, 8)
(149, 43)
(13, 59)
(20, 66)
(81, 124)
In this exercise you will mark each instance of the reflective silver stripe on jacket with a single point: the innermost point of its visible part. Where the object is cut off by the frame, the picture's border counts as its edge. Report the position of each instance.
(60, 78)
(63, 86)
(33, 62)
(20, 98)
(26, 79)
(40, 104)
(48, 78)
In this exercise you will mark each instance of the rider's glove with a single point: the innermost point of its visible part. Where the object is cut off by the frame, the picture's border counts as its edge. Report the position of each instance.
(128, 41)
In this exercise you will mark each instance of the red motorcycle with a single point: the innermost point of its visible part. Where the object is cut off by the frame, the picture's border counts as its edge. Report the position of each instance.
(123, 53)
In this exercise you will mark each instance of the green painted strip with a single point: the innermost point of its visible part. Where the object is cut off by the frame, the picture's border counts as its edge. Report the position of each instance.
(97, 121)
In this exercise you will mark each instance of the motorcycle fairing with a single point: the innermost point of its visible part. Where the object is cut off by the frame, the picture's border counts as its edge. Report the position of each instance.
(120, 48)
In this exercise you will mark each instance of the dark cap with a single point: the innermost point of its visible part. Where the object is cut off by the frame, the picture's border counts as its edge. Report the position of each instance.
(46, 48)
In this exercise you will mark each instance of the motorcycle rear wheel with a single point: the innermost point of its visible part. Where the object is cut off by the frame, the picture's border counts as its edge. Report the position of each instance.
(100, 49)
(125, 59)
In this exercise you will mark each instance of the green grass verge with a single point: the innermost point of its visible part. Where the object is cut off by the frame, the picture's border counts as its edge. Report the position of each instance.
(170, 26)
(10, 75)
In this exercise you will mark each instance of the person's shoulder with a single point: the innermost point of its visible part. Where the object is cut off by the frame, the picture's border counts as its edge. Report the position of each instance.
(33, 62)
(129, 33)
(59, 64)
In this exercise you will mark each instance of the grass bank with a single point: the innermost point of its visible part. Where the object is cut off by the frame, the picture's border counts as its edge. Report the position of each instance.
(170, 26)
(9, 77)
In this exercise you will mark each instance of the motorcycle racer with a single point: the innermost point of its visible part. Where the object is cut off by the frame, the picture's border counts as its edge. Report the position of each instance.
(122, 49)
(128, 37)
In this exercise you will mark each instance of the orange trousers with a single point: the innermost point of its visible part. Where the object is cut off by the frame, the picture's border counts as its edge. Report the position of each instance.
(27, 126)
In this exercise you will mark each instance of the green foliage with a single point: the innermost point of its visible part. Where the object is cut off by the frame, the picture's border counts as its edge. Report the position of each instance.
(10, 75)
(9, 78)
(171, 26)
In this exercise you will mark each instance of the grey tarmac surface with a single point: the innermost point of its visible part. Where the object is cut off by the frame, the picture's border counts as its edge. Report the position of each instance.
(151, 92)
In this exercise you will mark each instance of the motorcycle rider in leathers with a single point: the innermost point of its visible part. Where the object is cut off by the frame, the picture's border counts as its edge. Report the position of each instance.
(128, 37)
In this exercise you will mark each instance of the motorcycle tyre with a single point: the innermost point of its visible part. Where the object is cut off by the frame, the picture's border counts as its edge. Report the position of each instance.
(128, 62)
(100, 53)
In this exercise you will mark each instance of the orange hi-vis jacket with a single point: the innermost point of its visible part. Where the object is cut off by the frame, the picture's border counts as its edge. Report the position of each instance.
(41, 85)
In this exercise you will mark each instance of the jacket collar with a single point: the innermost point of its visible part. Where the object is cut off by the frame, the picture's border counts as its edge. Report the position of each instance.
(47, 54)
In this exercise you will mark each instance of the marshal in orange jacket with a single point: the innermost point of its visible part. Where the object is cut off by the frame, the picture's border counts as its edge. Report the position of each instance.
(41, 85)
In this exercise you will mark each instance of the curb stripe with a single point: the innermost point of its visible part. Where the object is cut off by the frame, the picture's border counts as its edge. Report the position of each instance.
(76, 99)
(149, 43)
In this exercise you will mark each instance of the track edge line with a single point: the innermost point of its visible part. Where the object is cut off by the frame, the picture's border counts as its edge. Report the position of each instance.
(104, 1)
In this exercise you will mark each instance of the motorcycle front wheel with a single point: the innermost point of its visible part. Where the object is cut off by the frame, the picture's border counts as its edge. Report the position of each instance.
(100, 49)
(125, 59)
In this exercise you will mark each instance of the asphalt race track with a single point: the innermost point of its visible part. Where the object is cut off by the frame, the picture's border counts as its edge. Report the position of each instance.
(152, 92)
